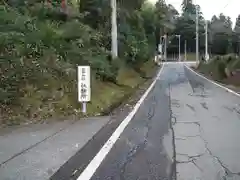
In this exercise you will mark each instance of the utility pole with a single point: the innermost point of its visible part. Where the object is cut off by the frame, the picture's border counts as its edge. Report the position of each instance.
(114, 29)
(206, 41)
(179, 47)
(197, 35)
(159, 52)
(165, 47)
(185, 51)
(162, 43)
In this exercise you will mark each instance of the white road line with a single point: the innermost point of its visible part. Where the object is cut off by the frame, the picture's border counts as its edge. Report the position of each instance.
(100, 156)
(219, 85)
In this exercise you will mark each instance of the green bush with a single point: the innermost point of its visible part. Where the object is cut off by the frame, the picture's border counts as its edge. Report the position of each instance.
(44, 53)
(215, 68)
(234, 65)
(134, 47)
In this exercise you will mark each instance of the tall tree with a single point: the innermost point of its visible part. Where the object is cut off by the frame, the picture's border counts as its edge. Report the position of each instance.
(186, 27)
(188, 7)
(165, 19)
(237, 25)
(149, 18)
(97, 12)
(221, 34)
(131, 5)
(236, 36)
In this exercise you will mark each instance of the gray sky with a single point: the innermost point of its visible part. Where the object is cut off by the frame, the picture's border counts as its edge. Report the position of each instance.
(212, 7)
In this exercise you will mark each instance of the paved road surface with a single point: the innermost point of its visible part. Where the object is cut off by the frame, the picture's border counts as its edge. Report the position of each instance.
(145, 149)
(35, 152)
(187, 128)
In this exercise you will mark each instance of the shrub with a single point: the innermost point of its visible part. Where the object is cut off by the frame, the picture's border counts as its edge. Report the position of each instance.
(45, 54)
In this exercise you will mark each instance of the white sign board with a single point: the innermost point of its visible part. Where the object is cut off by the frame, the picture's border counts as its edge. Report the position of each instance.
(160, 48)
(84, 86)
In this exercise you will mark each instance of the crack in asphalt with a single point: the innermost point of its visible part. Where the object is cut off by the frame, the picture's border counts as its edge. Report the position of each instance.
(228, 108)
(139, 147)
(197, 95)
(186, 122)
(194, 158)
(173, 117)
(183, 162)
(200, 169)
(193, 136)
(178, 138)
(197, 85)
(190, 157)
(191, 161)
(191, 107)
(226, 170)
(133, 153)
(37, 143)
(237, 110)
(204, 105)
(233, 109)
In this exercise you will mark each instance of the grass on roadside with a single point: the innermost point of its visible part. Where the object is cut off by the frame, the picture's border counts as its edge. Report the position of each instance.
(191, 57)
(222, 69)
(105, 96)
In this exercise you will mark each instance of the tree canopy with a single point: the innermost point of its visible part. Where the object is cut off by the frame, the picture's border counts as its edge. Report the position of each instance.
(223, 36)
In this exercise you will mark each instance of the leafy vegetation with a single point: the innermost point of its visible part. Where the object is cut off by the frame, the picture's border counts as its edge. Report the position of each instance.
(223, 68)
(222, 38)
(42, 42)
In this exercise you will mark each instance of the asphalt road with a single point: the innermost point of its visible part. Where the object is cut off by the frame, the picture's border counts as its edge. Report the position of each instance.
(187, 128)
(35, 152)
(144, 151)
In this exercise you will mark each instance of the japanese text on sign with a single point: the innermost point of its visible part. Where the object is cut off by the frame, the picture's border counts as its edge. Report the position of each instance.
(84, 88)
